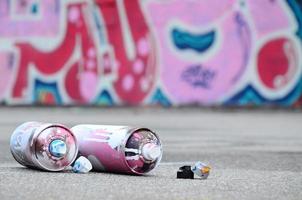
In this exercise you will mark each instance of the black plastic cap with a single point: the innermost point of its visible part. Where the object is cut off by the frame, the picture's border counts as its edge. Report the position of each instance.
(185, 172)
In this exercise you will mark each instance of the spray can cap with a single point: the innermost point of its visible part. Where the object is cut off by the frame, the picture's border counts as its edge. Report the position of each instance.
(58, 148)
(151, 151)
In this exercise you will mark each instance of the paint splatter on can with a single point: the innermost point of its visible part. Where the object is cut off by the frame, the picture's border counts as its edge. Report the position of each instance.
(51, 147)
(120, 149)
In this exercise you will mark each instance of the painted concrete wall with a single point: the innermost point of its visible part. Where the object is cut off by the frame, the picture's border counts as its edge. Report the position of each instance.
(172, 52)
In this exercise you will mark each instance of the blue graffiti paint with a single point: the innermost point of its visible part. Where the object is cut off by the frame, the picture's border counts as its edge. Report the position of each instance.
(250, 96)
(247, 96)
(34, 8)
(159, 98)
(99, 25)
(197, 42)
(296, 7)
(198, 76)
(297, 11)
(104, 99)
(41, 87)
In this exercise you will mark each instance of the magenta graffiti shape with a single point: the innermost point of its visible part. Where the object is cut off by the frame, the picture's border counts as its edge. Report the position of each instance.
(141, 68)
(79, 82)
(29, 19)
(277, 63)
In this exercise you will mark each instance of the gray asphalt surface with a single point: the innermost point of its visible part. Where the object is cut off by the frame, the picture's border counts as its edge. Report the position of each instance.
(253, 155)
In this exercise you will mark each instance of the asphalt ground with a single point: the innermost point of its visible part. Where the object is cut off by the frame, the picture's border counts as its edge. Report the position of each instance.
(254, 154)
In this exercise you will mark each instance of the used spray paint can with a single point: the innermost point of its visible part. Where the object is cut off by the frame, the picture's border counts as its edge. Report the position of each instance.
(120, 149)
(51, 147)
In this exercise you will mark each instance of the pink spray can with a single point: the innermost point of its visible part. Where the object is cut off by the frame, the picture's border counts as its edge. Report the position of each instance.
(120, 149)
(51, 147)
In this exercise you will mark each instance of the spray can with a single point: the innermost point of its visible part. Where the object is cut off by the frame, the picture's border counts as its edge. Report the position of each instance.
(51, 147)
(120, 149)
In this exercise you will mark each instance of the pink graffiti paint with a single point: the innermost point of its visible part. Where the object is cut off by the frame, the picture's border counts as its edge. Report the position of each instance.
(23, 7)
(6, 72)
(264, 23)
(243, 31)
(192, 12)
(20, 20)
(119, 149)
(88, 84)
(222, 70)
(127, 85)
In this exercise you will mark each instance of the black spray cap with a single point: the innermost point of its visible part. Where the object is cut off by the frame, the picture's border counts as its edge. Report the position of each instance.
(185, 172)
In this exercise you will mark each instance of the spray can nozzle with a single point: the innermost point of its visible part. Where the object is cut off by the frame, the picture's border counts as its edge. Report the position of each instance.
(151, 151)
(58, 148)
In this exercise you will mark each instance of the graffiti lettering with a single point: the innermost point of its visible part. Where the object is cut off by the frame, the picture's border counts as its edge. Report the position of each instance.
(117, 52)
(197, 76)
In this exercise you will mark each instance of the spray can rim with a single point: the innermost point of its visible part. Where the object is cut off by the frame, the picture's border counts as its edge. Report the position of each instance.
(129, 133)
(33, 142)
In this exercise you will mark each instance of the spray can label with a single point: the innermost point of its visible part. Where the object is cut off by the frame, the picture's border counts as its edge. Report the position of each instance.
(20, 141)
(46, 146)
(118, 148)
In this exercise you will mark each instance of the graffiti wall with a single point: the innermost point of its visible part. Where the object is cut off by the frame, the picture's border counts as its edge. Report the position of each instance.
(142, 52)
